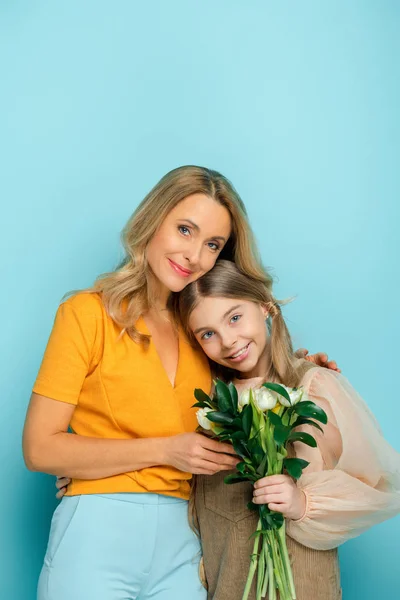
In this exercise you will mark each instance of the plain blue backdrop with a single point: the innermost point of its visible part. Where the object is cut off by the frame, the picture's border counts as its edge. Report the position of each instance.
(296, 102)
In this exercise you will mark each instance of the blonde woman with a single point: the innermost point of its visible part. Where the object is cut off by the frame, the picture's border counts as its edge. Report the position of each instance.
(120, 373)
(353, 477)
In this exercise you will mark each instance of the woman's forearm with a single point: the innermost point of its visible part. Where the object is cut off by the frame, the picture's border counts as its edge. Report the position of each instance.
(81, 457)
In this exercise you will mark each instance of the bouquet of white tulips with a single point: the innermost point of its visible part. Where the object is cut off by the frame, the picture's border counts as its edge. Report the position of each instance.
(260, 425)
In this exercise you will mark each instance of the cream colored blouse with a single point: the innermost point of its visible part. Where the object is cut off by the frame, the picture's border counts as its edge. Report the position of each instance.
(353, 479)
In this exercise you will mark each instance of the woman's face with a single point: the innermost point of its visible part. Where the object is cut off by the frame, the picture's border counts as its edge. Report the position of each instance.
(188, 242)
(232, 333)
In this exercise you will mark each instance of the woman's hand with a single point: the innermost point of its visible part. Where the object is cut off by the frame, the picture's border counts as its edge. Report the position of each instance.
(281, 494)
(62, 484)
(320, 359)
(196, 453)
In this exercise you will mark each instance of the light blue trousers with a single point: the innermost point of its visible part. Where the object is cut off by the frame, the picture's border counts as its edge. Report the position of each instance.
(121, 547)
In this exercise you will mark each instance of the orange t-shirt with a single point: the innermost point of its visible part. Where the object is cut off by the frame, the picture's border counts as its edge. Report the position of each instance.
(121, 390)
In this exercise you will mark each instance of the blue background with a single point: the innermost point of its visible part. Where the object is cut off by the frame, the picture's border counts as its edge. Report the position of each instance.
(296, 102)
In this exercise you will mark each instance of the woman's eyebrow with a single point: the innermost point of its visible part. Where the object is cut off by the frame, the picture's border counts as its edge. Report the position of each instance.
(197, 228)
(228, 312)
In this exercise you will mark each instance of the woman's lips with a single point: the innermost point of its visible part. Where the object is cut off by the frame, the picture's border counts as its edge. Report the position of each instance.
(243, 353)
(180, 270)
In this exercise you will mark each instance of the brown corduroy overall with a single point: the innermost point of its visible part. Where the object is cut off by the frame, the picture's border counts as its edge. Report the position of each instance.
(226, 524)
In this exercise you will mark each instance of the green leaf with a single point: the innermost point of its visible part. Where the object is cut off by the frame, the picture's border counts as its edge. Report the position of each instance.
(239, 435)
(281, 432)
(201, 405)
(241, 467)
(301, 436)
(247, 417)
(302, 421)
(219, 417)
(202, 397)
(234, 396)
(252, 506)
(233, 478)
(275, 387)
(263, 466)
(310, 410)
(295, 466)
(223, 393)
(240, 449)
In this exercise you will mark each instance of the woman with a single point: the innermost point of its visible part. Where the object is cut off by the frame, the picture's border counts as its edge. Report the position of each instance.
(121, 374)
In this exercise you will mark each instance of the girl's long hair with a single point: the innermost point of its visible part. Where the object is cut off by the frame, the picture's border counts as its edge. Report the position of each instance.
(126, 291)
(227, 280)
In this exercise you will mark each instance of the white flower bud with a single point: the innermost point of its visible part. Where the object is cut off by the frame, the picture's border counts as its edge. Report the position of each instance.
(202, 418)
(244, 399)
(265, 399)
(294, 394)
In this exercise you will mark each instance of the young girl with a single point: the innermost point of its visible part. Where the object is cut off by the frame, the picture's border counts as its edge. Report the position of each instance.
(353, 479)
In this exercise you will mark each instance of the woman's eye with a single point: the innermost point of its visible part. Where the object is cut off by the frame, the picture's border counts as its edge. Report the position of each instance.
(184, 230)
(213, 246)
(235, 318)
(207, 335)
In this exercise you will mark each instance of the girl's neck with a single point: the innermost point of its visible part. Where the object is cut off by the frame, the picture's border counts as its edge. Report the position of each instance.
(261, 369)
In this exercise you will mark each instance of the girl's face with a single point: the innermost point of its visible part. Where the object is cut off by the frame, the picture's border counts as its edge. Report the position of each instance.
(232, 332)
(188, 242)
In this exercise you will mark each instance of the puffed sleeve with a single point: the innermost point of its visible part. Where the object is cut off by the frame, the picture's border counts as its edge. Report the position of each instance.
(353, 480)
(72, 349)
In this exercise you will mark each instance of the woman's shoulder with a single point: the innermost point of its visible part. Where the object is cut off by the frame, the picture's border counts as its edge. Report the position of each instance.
(86, 304)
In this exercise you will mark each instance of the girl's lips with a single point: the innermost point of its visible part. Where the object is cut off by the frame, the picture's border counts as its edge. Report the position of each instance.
(241, 356)
(180, 270)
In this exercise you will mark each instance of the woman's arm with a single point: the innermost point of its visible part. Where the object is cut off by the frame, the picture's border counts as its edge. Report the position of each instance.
(48, 447)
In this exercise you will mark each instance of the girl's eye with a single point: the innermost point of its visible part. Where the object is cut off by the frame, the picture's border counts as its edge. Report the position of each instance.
(235, 318)
(213, 246)
(207, 335)
(184, 230)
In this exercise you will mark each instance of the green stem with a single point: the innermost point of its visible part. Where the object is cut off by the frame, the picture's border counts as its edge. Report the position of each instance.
(267, 559)
(260, 571)
(279, 569)
(286, 560)
(253, 564)
(271, 577)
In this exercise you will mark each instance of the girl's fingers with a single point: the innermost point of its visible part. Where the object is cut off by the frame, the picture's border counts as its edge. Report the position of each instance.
(268, 498)
(271, 480)
(62, 482)
(277, 507)
(273, 489)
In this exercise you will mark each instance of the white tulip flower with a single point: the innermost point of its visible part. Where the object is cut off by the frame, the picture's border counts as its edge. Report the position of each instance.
(244, 399)
(265, 399)
(294, 394)
(202, 418)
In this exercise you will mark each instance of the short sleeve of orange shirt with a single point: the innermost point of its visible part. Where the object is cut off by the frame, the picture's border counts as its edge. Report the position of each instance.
(120, 390)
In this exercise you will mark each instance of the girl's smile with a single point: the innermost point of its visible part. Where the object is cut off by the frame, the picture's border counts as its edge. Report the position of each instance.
(232, 333)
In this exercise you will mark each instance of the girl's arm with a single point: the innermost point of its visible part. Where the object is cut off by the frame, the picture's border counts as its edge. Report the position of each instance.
(353, 480)
(48, 447)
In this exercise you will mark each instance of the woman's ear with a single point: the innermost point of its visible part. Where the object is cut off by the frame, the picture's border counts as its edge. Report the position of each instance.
(264, 310)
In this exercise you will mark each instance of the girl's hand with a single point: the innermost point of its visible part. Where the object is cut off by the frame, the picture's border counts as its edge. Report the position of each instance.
(281, 494)
(320, 359)
(196, 453)
(62, 485)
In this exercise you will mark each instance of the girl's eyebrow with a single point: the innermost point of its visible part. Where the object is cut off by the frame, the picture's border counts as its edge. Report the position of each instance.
(228, 312)
(197, 228)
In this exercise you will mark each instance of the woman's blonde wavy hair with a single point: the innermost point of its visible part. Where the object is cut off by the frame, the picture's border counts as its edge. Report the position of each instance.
(126, 292)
